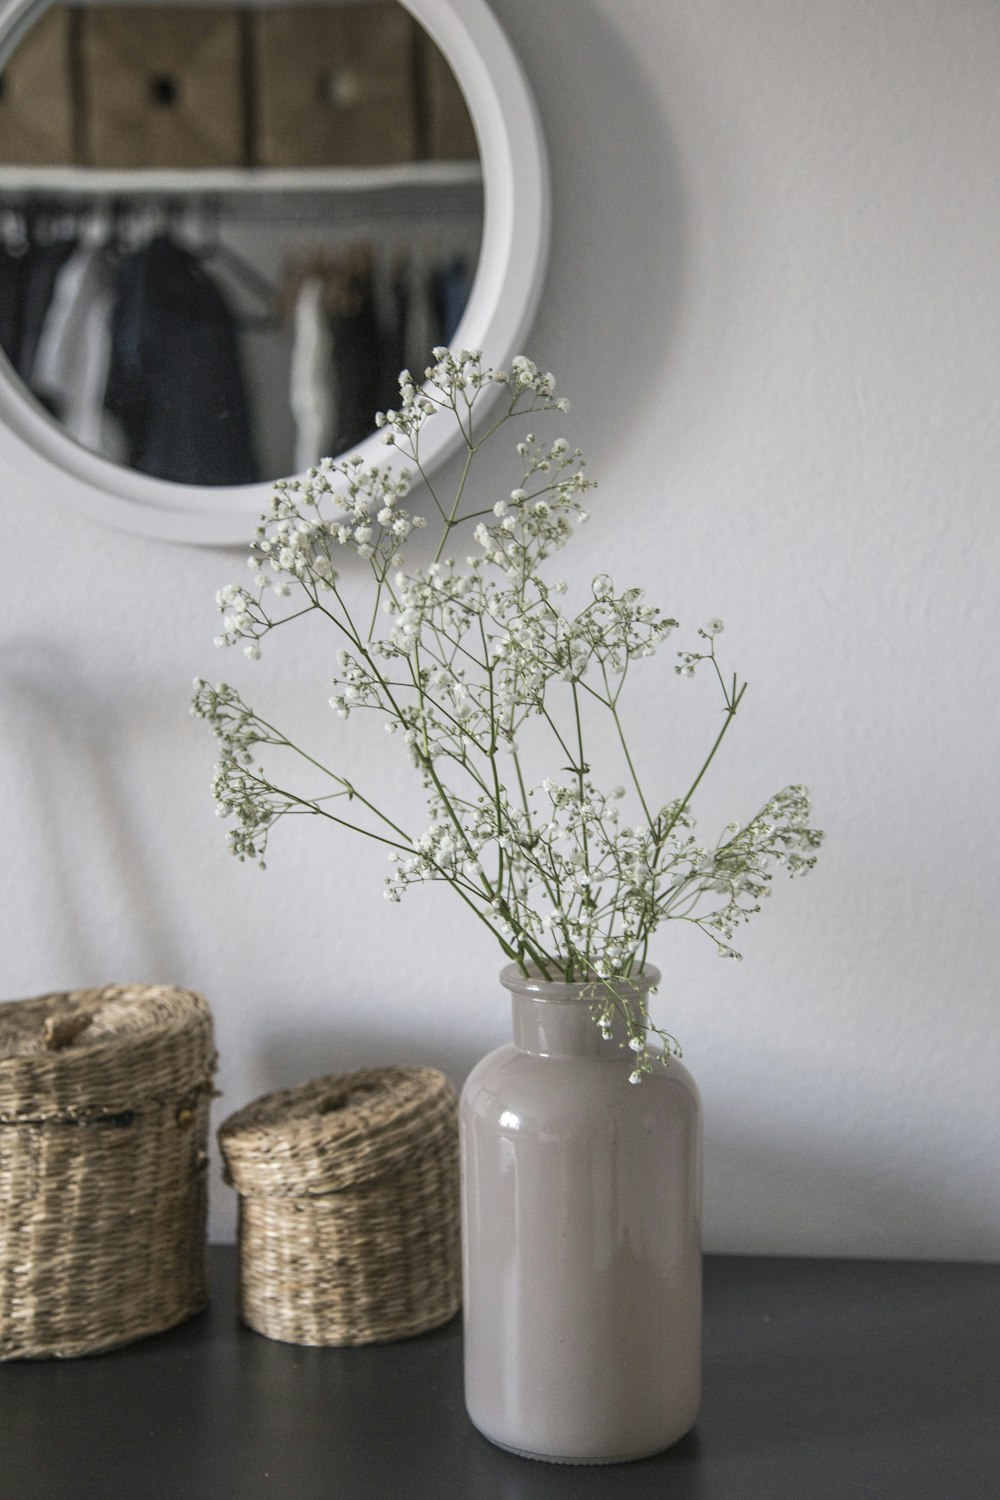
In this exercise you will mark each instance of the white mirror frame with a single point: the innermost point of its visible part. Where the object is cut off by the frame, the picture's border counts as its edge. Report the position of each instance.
(504, 297)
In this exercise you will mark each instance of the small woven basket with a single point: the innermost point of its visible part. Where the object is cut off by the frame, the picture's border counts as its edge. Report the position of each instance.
(349, 1217)
(104, 1100)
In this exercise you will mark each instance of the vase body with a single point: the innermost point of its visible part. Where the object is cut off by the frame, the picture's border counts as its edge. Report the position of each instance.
(581, 1209)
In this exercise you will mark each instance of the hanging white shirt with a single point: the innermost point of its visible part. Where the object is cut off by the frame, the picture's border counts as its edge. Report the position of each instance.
(74, 349)
(312, 396)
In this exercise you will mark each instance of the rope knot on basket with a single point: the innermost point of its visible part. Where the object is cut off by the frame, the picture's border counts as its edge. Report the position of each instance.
(348, 1191)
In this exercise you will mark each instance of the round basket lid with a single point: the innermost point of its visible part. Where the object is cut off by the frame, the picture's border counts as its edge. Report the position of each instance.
(101, 1051)
(336, 1132)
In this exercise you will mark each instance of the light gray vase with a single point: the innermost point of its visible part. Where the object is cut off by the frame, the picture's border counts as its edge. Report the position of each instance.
(581, 1208)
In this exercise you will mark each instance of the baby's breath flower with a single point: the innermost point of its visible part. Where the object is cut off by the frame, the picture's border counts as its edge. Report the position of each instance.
(468, 665)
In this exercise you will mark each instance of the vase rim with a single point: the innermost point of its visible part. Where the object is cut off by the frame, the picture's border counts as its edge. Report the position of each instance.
(534, 987)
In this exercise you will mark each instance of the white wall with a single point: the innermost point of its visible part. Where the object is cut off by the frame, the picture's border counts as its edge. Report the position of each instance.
(775, 301)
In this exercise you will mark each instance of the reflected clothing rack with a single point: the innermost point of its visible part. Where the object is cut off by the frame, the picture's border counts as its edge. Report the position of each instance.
(251, 240)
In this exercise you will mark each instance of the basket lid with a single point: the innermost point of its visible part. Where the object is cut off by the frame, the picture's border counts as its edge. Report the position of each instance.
(336, 1132)
(78, 1053)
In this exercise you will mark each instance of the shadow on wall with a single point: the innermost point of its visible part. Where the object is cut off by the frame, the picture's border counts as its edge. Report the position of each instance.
(787, 1198)
(81, 853)
(289, 1058)
(761, 1196)
(616, 281)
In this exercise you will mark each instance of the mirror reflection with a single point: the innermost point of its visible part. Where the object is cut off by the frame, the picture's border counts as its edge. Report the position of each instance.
(225, 230)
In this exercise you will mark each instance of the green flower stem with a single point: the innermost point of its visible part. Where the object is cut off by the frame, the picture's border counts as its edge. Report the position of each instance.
(450, 519)
(285, 619)
(414, 454)
(526, 804)
(491, 754)
(361, 647)
(732, 705)
(350, 790)
(426, 760)
(562, 743)
(612, 704)
(628, 761)
(307, 805)
(376, 607)
(581, 772)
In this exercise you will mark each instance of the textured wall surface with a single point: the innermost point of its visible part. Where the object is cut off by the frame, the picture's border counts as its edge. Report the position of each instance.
(774, 300)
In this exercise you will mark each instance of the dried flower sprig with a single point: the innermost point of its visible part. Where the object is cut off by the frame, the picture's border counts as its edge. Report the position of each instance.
(465, 660)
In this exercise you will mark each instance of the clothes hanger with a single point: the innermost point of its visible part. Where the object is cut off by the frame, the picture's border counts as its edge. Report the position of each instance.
(209, 247)
(15, 231)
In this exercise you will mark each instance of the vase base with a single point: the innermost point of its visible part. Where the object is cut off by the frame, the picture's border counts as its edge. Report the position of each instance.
(556, 1458)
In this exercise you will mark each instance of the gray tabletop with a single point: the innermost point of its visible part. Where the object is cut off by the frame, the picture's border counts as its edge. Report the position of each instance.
(824, 1380)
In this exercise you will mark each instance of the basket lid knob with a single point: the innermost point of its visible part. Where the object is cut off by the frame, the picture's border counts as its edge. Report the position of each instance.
(59, 1031)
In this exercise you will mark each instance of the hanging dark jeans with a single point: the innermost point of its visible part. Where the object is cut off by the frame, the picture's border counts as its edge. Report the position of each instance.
(357, 360)
(176, 381)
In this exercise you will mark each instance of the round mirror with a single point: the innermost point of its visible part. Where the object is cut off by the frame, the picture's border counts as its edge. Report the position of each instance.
(225, 229)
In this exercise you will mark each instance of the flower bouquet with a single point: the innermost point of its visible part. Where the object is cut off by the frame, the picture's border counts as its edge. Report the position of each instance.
(494, 685)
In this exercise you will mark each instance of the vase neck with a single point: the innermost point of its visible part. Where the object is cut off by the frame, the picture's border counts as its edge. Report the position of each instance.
(557, 1028)
(558, 1020)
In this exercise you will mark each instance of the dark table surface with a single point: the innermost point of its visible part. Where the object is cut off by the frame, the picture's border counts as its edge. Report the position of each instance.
(824, 1380)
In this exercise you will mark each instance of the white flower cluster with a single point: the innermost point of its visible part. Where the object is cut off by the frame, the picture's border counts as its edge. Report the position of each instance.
(333, 506)
(688, 660)
(779, 835)
(239, 792)
(230, 720)
(457, 657)
(299, 537)
(452, 383)
(535, 520)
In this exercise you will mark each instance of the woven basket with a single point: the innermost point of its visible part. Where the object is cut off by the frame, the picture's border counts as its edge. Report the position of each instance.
(349, 1230)
(104, 1099)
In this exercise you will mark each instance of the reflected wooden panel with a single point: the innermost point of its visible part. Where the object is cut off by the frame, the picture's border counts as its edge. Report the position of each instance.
(336, 85)
(161, 87)
(36, 95)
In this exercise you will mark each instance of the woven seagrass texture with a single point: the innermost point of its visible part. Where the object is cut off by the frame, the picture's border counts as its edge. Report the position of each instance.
(349, 1207)
(104, 1101)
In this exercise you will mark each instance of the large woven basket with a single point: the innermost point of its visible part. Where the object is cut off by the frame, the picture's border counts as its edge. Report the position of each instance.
(349, 1227)
(104, 1099)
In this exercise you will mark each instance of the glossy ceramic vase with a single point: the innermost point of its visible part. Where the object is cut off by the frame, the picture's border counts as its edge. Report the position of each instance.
(581, 1207)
